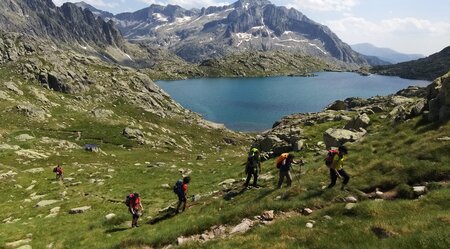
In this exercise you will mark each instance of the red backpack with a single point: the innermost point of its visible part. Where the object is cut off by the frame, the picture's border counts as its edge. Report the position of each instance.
(330, 156)
(280, 159)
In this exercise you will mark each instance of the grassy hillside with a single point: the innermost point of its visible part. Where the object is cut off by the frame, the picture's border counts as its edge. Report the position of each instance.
(390, 159)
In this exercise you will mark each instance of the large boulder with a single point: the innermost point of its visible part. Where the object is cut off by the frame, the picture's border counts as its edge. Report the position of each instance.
(31, 111)
(357, 122)
(338, 105)
(337, 137)
(438, 96)
(132, 133)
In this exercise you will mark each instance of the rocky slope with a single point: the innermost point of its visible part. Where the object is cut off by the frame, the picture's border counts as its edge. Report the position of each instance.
(212, 32)
(288, 134)
(68, 23)
(428, 68)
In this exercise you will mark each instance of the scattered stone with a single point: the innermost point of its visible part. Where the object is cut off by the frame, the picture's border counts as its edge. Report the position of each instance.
(338, 105)
(102, 113)
(46, 203)
(53, 212)
(419, 190)
(200, 157)
(30, 187)
(266, 177)
(307, 211)
(13, 87)
(17, 243)
(132, 133)
(268, 215)
(79, 210)
(350, 206)
(8, 174)
(25, 247)
(243, 227)
(337, 137)
(327, 217)
(32, 111)
(34, 170)
(166, 186)
(227, 182)
(9, 147)
(309, 225)
(35, 196)
(110, 216)
(360, 121)
(5, 96)
(24, 137)
(351, 199)
(31, 154)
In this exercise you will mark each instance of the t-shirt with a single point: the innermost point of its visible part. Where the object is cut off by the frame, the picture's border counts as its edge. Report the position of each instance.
(286, 165)
(253, 161)
(339, 161)
(135, 202)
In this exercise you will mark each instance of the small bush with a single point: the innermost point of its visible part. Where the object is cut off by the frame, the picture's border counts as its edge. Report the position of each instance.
(405, 191)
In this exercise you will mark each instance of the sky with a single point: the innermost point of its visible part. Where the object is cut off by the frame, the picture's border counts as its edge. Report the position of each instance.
(407, 26)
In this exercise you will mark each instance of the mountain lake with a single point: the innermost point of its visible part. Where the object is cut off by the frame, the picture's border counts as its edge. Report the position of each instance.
(254, 104)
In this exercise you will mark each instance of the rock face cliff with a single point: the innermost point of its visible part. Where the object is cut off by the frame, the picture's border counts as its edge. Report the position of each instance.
(438, 95)
(212, 32)
(68, 23)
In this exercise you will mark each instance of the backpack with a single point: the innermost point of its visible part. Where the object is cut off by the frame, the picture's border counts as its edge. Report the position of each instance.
(55, 169)
(129, 199)
(280, 159)
(178, 187)
(330, 156)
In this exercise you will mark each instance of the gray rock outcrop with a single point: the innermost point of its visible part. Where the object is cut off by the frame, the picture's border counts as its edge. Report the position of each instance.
(337, 137)
(357, 122)
(438, 96)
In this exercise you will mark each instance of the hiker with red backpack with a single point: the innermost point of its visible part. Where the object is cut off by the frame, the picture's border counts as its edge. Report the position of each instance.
(335, 161)
(253, 167)
(180, 189)
(58, 172)
(133, 201)
(284, 164)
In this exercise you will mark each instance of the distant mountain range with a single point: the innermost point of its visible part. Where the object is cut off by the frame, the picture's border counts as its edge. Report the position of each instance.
(199, 34)
(384, 54)
(427, 68)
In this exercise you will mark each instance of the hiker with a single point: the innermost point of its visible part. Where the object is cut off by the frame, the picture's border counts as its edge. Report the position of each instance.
(58, 172)
(180, 189)
(285, 167)
(337, 167)
(133, 202)
(253, 167)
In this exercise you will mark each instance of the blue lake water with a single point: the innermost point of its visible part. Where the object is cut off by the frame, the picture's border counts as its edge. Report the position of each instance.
(254, 104)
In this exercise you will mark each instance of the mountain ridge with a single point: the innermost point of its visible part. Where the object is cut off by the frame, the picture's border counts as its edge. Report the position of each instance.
(212, 32)
(428, 68)
(384, 54)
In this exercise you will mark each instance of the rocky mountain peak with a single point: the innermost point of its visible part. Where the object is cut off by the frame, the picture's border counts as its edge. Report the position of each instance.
(250, 3)
(68, 23)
